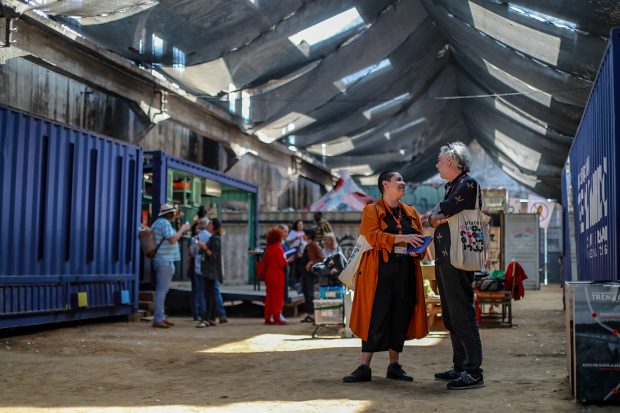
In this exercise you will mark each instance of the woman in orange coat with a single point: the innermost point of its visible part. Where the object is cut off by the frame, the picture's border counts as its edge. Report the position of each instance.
(389, 306)
(275, 263)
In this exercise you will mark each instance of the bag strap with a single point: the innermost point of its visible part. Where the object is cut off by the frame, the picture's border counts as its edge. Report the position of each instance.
(159, 245)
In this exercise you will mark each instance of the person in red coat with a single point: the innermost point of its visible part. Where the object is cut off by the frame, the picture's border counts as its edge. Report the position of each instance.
(275, 263)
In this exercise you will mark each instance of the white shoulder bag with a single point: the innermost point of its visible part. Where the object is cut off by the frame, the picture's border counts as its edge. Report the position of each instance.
(348, 276)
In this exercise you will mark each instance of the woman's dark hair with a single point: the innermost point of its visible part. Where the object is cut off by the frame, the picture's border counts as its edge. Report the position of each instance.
(310, 233)
(385, 176)
(295, 224)
(217, 226)
(202, 212)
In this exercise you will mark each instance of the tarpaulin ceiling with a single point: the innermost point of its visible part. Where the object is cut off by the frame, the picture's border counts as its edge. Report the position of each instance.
(373, 84)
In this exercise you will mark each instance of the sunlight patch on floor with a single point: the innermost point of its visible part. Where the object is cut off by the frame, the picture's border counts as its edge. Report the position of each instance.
(272, 406)
(284, 342)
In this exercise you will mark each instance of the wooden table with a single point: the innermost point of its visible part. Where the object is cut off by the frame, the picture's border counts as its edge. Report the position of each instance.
(433, 304)
(503, 298)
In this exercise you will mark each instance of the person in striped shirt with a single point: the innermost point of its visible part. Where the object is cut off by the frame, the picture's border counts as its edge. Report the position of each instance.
(168, 252)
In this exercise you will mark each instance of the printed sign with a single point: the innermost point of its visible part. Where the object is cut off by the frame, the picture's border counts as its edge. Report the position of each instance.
(592, 208)
(542, 208)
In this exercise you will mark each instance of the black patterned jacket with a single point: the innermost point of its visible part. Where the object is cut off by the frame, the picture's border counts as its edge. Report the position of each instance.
(460, 195)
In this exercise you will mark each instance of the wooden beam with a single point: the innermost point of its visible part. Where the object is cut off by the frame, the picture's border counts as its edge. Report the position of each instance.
(65, 52)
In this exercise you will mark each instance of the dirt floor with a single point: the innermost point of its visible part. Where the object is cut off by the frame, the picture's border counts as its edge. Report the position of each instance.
(247, 366)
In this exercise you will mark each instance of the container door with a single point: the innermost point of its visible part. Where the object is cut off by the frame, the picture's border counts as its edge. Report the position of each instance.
(521, 243)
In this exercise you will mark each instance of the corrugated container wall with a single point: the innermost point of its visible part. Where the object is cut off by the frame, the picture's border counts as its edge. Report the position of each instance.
(69, 208)
(593, 158)
(568, 241)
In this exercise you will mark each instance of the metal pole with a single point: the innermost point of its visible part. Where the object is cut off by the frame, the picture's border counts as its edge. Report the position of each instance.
(546, 263)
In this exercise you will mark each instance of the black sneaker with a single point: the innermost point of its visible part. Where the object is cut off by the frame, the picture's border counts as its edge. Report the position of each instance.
(308, 319)
(362, 373)
(448, 375)
(466, 381)
(395, 371)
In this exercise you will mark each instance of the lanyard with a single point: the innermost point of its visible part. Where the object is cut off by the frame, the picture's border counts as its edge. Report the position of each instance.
(398, 220)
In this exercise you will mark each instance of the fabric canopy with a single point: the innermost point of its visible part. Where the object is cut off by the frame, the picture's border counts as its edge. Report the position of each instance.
(374, 84)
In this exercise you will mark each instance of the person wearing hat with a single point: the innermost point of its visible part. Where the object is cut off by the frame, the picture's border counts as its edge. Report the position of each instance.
(167, 254)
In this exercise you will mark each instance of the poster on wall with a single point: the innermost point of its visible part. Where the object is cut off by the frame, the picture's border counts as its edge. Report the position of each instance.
(495, 199)
(515, 206)
(597, 341)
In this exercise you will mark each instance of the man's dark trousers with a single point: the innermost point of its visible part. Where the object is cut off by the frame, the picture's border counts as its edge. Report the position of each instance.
(459, 316)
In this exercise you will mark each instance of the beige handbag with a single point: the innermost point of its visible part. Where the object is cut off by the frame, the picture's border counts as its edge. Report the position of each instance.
(147, 243)
(349, 274)
(469, 237)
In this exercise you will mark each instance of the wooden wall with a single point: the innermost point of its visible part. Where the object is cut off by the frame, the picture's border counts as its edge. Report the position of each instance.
(35, 89)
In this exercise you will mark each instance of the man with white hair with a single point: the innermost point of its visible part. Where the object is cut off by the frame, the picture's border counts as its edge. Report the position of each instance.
(455, 285)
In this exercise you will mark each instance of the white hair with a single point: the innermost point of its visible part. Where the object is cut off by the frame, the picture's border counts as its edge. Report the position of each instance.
(203, 223)
(459, 153)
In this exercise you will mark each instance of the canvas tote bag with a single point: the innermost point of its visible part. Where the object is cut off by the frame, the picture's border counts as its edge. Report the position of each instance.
(469, 237)
(349, 274)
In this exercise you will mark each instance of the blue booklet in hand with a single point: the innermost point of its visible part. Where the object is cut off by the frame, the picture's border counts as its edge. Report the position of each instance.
(421, 248)
(290, 252)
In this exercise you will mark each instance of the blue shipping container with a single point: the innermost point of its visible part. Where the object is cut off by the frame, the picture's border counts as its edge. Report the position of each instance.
(69, 213)
(566, 255)
(594, 184)
(161, 165)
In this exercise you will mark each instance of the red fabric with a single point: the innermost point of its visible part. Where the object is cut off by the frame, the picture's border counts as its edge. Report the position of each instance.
(274, 281)
(362, 197)
(514, 280)
(260, 269)
(339, 184)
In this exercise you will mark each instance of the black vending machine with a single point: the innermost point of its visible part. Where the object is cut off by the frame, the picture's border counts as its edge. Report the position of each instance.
(593, 347)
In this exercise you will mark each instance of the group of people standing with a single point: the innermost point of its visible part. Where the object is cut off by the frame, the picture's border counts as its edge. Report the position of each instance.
(389, 305)
(295, 252)
(204, 270)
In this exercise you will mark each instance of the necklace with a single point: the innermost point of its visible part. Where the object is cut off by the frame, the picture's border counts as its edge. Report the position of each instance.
(398, 220)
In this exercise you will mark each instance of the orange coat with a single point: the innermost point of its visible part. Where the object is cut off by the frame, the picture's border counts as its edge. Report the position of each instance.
(372, 228)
